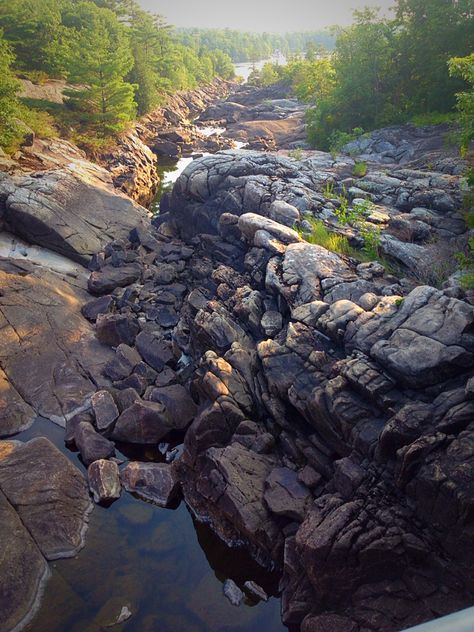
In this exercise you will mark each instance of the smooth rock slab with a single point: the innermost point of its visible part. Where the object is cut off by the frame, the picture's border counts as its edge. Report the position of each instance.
(23, 570)
(156, 482)
(104, 480)
(50, 495)
(74, 210)
(48, 351)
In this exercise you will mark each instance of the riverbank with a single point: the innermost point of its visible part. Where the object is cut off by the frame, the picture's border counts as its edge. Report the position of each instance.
(307, 407)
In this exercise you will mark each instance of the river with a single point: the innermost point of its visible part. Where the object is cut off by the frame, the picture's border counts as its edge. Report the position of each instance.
(245, 69)
(164, 567)
(160, 564)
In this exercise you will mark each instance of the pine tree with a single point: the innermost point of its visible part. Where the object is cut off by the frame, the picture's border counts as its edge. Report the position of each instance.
(10, 132)
(99, 62)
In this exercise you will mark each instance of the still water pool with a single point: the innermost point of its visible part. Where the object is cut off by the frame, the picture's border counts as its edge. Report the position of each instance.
(160, 564)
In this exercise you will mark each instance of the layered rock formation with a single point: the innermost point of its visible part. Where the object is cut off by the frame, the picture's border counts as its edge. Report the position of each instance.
(321, 408)
(417, 211)
(329, 424)
(263, 118)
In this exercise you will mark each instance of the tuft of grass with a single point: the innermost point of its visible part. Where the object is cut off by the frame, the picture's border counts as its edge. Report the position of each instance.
(360, 169)
(321, 236)
(40, 122)
(296, 154)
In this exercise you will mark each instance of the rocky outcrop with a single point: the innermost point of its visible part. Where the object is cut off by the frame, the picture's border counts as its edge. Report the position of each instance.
(313, 409)
(264, 118)
(166, 132)
(416, 212)
(328, 422)
(405, 143)
(74, 211)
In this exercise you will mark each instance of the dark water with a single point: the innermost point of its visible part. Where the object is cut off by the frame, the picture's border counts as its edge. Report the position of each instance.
(165, 568)
(169, 170)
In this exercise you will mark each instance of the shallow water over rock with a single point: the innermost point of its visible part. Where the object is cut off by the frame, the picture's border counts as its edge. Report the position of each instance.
(157, 564)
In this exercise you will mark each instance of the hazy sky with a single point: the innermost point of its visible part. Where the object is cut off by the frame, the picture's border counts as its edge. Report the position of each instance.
(260, 15)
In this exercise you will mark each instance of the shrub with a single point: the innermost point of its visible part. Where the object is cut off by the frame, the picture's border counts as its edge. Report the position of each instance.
(321, 236)
(360, 169)
(296, 154)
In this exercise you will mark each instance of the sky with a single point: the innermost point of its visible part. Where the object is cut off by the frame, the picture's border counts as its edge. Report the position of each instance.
(261, 15)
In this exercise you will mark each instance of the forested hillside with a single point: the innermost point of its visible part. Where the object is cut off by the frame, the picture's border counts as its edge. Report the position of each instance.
(385, 71)
(242, 46)
(119, 60)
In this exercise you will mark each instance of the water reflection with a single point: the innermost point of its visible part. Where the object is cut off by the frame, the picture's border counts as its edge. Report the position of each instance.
(165, 569)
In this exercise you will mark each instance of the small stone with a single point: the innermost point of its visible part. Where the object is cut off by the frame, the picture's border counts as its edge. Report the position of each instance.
(155, 352)
(124, 615)
(97, 306)
(91, 444)
(255, 590)
(104, 480)
(156, 482)
(125, 398)
(309, 477)
(284, 494)
(284, 213)
(105, 410)
(271, 323)
(113, 329)
(233, 592)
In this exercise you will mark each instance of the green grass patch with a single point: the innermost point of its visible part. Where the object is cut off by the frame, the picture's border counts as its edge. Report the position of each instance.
(321, 236)
(360, 169)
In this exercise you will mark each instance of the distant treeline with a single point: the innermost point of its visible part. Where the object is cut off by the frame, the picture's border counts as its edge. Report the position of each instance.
(244, 46)
(417, 66)
(120, 59)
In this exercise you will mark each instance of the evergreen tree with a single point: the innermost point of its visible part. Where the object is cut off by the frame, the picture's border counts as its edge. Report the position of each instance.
(35, 31)
(100, 60)
(10, 132)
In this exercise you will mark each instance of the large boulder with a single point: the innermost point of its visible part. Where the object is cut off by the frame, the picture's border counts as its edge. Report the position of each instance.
(49, 494)
(155, 482)
(248, 182)
(74, 210)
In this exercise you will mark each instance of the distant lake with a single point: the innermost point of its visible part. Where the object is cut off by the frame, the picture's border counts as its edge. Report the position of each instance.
(244, 69)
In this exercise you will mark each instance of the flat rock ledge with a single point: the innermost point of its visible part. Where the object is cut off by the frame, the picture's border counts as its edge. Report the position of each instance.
(44, 508)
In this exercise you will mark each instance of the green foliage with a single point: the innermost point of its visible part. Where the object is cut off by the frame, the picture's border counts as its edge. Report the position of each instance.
(120, 59)
(464, 67)
(251, 47)
(36, 32)
(321, 236)
(10, 132)
(99, 62)
(16, 120)
(388, 71)
(434, 118)
(360, 169)
(296, 154)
